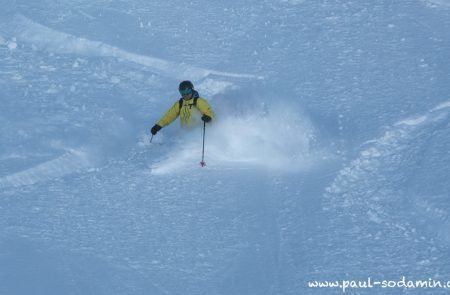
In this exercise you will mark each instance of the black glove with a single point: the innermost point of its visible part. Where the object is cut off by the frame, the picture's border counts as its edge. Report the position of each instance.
(206, 118)
(155, 129)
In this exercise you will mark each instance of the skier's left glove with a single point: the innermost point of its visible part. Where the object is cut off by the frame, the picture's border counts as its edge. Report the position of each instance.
(206, 118)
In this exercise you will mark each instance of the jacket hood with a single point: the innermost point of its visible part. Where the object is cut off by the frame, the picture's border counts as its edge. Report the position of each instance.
(195, 94)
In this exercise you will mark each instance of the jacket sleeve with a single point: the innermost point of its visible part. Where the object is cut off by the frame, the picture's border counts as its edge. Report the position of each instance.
(170, 116)
(204, 107)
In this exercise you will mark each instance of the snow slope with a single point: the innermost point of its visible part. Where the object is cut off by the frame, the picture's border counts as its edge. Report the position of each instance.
(328, 159)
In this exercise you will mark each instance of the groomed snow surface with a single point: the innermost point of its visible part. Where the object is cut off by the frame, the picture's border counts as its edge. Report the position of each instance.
(328, 160)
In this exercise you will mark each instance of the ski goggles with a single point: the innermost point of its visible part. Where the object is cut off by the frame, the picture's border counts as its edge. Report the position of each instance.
(186, 91)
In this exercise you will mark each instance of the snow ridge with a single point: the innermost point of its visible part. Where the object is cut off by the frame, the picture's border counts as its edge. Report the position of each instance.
(45, 38)
(70, 162)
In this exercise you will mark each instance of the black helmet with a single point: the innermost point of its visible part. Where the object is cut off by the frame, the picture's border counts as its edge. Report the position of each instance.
(186, 85)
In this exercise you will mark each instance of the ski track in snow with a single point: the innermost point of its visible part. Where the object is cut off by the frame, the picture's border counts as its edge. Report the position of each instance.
(70, 162)
(445, 3)
(389, 143)
(40, 36)
(362, 186)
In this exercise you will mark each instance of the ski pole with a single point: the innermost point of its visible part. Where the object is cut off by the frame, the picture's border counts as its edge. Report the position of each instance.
(202, 163)
(151, 139)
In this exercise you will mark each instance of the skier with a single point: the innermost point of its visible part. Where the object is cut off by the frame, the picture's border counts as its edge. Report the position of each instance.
(189, 108)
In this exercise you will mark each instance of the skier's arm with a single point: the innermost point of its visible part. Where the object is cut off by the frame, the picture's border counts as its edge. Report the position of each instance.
(170, 116)
(204, 107)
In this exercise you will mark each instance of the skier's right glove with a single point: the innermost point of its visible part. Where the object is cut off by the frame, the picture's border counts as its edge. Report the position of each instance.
(155, 129)
(206, 118)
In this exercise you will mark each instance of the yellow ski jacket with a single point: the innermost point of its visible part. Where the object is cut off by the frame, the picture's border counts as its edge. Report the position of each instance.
(189, 111)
